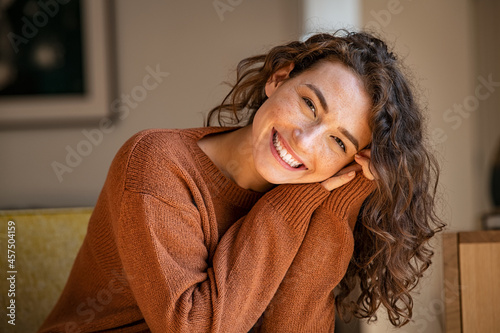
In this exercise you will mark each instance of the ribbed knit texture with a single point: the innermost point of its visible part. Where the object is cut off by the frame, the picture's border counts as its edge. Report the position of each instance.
(175, 246)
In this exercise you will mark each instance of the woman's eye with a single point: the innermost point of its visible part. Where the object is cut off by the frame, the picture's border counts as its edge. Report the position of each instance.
(310, 104)
(341, 144)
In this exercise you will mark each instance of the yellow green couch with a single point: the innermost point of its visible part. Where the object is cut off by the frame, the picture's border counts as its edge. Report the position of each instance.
(46, 244)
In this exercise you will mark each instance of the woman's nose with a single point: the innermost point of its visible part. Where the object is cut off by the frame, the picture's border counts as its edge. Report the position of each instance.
(307, 138)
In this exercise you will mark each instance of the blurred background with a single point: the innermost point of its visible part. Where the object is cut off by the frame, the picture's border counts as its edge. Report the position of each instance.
(151, 63)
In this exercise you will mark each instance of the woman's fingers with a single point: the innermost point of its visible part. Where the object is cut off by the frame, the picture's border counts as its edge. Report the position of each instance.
(342, 177)
(349, 168)
(336, 181)
(365, 153)
(363, 159)
(345, 175)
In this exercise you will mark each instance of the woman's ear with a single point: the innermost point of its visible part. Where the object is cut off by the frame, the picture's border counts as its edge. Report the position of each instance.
(277, 78)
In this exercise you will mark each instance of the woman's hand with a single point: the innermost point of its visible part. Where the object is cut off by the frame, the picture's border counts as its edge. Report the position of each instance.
(361, 163)
(342, 177)
(363, 159)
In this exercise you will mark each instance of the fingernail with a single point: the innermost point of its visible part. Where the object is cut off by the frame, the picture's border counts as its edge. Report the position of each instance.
(357, 156)
(351, 174)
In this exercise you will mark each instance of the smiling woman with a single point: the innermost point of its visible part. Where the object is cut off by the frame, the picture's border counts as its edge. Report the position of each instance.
(265, 226)
(348, 98)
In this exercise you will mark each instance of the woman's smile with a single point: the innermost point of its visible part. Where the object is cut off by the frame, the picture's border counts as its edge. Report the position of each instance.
(284, 154)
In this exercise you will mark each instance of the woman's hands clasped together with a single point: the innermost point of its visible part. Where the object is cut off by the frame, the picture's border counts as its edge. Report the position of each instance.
(361, 163)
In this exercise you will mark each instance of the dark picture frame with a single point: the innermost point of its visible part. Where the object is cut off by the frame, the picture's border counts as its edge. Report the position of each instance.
(66, 98)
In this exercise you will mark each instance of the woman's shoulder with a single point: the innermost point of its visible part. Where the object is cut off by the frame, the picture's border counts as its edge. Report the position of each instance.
(149, 147)
(152, 156)
(161, 143)
(161, 138)
(145, 145)
(154, 139)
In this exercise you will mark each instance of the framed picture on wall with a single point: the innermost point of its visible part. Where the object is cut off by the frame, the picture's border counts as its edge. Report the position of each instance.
(55, 61)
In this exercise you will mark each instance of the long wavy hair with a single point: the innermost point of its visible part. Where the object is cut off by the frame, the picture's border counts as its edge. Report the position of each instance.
(398, 219)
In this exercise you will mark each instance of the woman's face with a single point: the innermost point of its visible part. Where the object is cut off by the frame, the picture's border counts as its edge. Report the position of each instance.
(311, 126)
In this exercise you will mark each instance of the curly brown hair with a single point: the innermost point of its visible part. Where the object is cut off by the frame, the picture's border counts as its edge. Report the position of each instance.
(398, 219)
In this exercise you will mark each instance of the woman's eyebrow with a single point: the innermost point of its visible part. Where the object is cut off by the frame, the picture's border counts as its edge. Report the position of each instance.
(349, 136)
(319, 95)
(322, 100)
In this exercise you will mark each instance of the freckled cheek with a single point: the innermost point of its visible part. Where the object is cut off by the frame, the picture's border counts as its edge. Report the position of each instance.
(329, 163)
(283, 108)
(327, 167)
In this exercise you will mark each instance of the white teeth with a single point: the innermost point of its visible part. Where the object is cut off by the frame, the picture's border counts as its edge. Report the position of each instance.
(284, 154)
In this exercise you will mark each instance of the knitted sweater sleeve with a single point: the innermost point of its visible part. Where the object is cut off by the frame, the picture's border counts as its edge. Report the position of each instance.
(163, 244)
(305, 300)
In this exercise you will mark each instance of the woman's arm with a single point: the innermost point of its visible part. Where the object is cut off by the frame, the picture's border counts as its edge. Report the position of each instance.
(304, 301)
(178, 288)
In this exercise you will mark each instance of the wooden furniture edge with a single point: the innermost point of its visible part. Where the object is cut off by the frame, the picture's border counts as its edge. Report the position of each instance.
(453, 318)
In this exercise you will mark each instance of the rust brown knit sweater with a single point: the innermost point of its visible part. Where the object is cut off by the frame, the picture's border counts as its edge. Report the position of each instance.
(175, 246)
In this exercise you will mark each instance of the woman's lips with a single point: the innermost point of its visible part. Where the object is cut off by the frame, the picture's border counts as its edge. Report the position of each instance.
(289, 150)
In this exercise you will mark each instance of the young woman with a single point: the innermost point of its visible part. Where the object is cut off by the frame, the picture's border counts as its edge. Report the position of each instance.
(270, 226)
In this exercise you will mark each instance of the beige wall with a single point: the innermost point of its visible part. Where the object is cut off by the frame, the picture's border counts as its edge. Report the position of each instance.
(189, 40)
